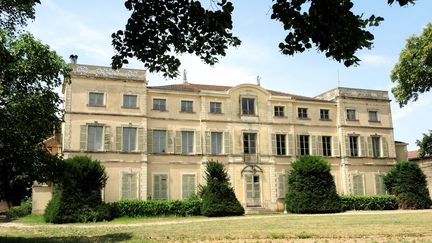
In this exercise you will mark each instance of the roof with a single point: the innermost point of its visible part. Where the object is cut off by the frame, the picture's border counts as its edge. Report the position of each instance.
(412, 155)
(191, 87)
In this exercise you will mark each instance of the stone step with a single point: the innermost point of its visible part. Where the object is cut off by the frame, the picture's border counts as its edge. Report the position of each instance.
(258, 210)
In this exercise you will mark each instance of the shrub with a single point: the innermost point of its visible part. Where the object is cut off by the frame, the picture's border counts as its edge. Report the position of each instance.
(218, 196)
(140, 208)
(20, 211)
(408, 183)
(376, 202)
(77, 196)
(311, 188)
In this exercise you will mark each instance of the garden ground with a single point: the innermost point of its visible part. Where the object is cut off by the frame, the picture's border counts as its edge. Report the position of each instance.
(353, 226)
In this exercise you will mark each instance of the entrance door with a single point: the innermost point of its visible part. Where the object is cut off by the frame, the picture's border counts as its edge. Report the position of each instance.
(253, 193)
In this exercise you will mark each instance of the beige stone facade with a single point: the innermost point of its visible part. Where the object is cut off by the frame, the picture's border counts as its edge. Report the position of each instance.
(154, 141)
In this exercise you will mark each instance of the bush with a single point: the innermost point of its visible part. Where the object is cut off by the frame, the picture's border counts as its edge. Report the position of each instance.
(218, 196)
(140, 208)
(376, 202)
(408, 183)
(77, 196)
(311, 188)
(20, 211)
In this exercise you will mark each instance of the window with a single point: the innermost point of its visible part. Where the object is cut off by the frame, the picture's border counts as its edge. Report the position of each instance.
(379, 185)
(187, 142)
(159, 104)
(129, 139)
(96, 99)
(129, 189)
(216, 107)
(353, 146)
(279, 111)
(280, 144)
(130, 101)
(376, 147)
(358, 187)
(282, 183)
(216, 142)
(248, 106)
(304, 144)
(324, 114)
(186, 106)
(302, 113)
(188, 185)
(326, 145)
(160, 186)
(249, 143)
(94, 139)
(351, 114)
(373, 116)
(159, 141)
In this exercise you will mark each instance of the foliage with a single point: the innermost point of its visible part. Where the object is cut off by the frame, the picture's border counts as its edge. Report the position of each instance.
(20, 211)
(375, 202)
(156, 31)
(311, 188)
(218, 196)
(408, 183)
(413, 72)
(77, 196)
(14, 13)
(29, 74)
(425, 145)
(138, 208)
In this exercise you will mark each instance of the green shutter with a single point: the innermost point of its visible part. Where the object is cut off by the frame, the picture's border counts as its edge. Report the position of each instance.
(281, 185)
(385, 152)
(335, 144)
(358, 188)
(198, 142)
(370, 149)
(363, 146)
(319, 146)
(119, 131)
(83, 137)
(188, 185)
(298, 145)
(125, 190)
(156, 186)
(149, 141)
(140, 144)
(177, 143)
(291, 144)
(107, 138)
(274, 145)
(347, 146)
(164, 187)
(379, 184)
(169, 140)
(227, 143)
(207, 142)
(313, 147)
(133, 186)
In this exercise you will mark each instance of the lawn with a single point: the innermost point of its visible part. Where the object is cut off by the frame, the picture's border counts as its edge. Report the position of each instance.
(394, 226)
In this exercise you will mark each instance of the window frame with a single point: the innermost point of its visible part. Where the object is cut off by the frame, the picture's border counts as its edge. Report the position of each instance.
(96, 99)
(159, 145)
(187, 148)
(249, 142)
(157, 106)
(304, 144)
(325, 114)
(220, 146)
(128, 148)
(215, 109)
(354, 145)
(137, 184)
(376, 146)
(95, 137)
(351, 114)
(186, 106)
(129, 97)
(251, 101)
(281, 144)
(182, 182)
(375, 119)
(302, 113)
(167, 186)
(279, 111)
(326, 146)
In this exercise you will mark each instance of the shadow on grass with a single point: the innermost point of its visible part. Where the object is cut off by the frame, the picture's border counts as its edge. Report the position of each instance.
(102, 238)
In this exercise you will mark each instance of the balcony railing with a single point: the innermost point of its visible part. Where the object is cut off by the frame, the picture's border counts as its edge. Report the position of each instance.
(251, 158)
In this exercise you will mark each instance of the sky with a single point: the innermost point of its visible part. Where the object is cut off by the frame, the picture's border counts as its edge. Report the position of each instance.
(84, 28)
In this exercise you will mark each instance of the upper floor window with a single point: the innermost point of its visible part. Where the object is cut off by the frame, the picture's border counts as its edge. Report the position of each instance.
(280, 144)
(216, 107)
(326, 145)
(159, 141)
(304, 144)
(96, 99)
(129, 139)
(302, 113)
(94, 138)
(373, 116)
(324, 114)
(351, 114)
(376, 152)
(249, 143)
(187, 142)
(130, 101)
(279, 111)
(216, 142)
(248, 106)
(186, 106)
(159, 104)
(353, 146)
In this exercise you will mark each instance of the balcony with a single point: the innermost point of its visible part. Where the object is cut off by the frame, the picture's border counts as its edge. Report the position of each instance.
(251, 159)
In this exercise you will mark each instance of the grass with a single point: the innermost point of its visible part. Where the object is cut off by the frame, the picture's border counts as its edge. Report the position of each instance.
(394, 226)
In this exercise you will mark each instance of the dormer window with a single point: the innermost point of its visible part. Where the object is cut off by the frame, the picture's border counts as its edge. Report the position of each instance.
(248, 106)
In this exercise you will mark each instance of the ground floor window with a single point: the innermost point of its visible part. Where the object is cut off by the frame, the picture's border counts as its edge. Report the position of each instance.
(129, 188)
(188, 185)
(160, 186)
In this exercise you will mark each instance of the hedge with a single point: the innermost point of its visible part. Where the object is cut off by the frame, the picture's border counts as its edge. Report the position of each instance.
(20, 211)
(139, 208)
(376, 202)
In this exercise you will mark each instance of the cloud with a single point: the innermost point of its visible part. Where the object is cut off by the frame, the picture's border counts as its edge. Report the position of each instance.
(423, 103)
(376, 60)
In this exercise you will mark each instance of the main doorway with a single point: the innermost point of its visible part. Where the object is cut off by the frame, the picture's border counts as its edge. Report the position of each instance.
(253, 190)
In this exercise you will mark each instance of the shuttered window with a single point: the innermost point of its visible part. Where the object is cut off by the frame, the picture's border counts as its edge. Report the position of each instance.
(94, 138)
(282, 184)
(216, 143)
(187, 139)
(129, 188)
(326, 146)
(376, 152)
(379, 184)
(358, 184)
(160, 186)
(353, 146)
(249, 143)
(280, 144)
(188, 185)
(159, 141)
(129, 139)
(303, 144)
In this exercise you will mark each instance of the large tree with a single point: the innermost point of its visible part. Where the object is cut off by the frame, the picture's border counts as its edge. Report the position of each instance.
(29, 112)
(15, 13)
(413, 72)
(425, 145)
(158, 30)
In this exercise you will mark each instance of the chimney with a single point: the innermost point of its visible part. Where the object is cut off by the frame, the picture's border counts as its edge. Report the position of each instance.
(73, 59)
(185, 81)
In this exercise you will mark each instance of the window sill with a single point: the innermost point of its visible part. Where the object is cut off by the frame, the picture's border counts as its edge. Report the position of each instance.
(89, 105)
(280, 116)
(374, 121)
(321, 119)
(354, 120)
(190, 112)
(303, 118)
(130, 107)
(249, 115)
(158, 110)
(216, 113)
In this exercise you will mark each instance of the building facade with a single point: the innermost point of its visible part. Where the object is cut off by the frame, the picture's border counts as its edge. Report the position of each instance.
(154, 141)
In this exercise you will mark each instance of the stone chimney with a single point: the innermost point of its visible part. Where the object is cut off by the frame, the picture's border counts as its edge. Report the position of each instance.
(73, 59)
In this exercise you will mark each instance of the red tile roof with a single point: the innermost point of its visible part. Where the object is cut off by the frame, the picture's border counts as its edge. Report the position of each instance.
(412, 154)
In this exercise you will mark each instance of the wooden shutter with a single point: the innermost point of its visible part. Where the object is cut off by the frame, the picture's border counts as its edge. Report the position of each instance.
(347, 146)
(358, 188)
(274, 144)
(188, 185)
(207, 142)
(313, 145)
(385, 152)
(379, 184)
(281, 185)
(198, 142)
(319, 146)
(227, 143)
(119, 131)
(83, 137)
(125, 190)
(298, 145)
(140, 144)
(160, 186)
(291, 144)
(149, 141)
(129, 186)
(363, 146)
(335, 146)
(107, 138)
(169, 141)
(370, 149)
(178, 143)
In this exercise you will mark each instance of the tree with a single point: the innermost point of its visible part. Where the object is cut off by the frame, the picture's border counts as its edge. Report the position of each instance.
(218, 196)
(425, 145)
(15, 13)
(311, 188)
(158, 30)
(413, 72)
(408, 183)
(29, 112)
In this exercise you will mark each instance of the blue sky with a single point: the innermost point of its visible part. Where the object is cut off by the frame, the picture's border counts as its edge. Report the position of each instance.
(85, 27)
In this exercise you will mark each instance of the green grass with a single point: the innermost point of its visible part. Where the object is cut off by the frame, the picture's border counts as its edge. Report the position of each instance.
(395, 226)
(31, 219)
